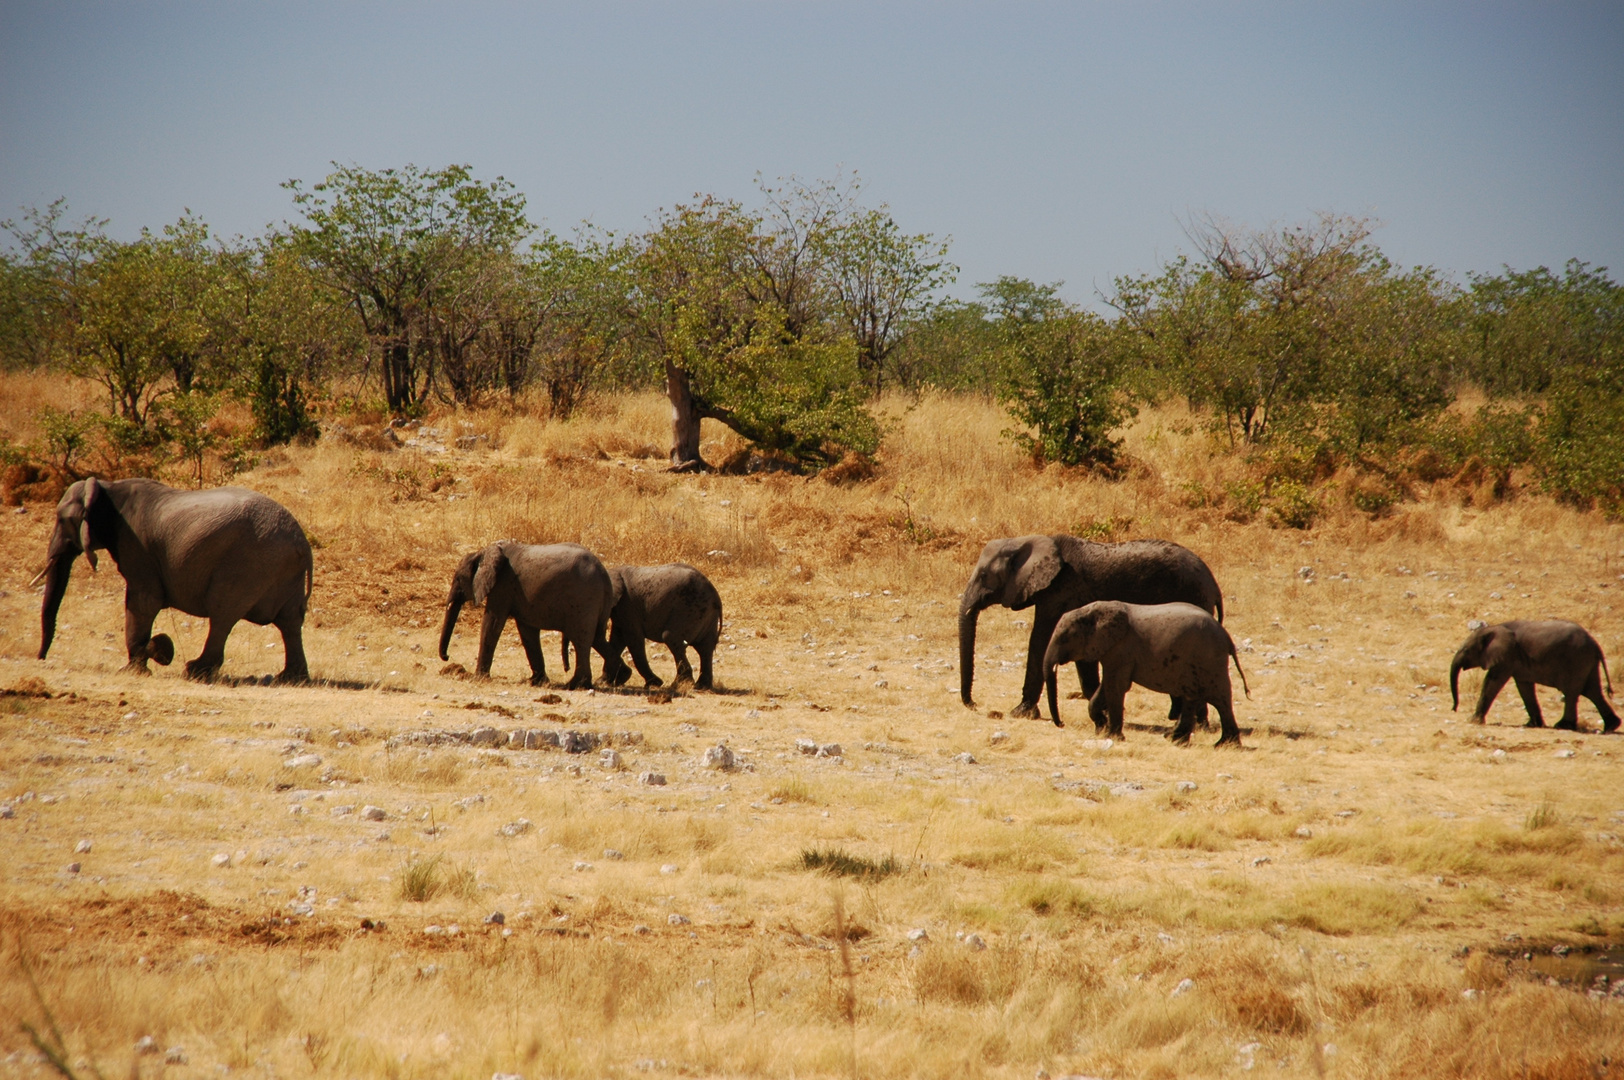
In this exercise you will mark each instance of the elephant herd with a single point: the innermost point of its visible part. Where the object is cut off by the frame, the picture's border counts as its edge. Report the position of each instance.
(1146, 612)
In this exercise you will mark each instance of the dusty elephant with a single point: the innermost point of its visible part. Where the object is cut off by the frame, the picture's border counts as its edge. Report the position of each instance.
(1175, 649)
(540, 587)
(1544, 652)
(225, 555)
(674, 604)
(1056, 574)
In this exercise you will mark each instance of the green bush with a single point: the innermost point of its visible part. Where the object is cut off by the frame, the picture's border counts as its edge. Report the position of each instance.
(1061, 375)
(1291, 505)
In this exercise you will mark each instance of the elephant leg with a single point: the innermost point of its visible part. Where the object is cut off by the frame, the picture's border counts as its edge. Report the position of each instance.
(639, 650)
(1493, 682)
(1180, 735)
(679, 653)
(1592, 690)
(1530, 698)
(1042, 629)
(294, 667)
(582, 679)
(707, 649)
(1088, 676)
(1097, 712)
(530, 638)
(1226, 721)
(214, 650)
(140, 645)
(490, 633)
(1570, 713)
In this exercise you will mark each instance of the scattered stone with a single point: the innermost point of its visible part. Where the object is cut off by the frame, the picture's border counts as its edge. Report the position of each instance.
(1306, 573)
(1185, 786)
(719, 757)
(965, 758)
(1474, 624)
(72, 868)
(1498, 755)
(974, 943)
(641, 928)
(146, 1044)
(6, 811)
(1304, 832)
(495, 918)
(880, 684)
(343, 811)
(498, 1075)
(1098, 744)
(806, 746)
(830, 750)
(583, 867)
(610, 759)
(1184, 987)
(1564, 753)
(485, 736)
(374, 813)
(652, 779)
(678, 920)
(303, 761)
(999, 738)
(221, 860)
(669, 868)
(175, 1055)
(1261, 860)
(578, 742)
(918, 935)
(612, 854)
(515, 828)
(1469, 993)
(82, 847)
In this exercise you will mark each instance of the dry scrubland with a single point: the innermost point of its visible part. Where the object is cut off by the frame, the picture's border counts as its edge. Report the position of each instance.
(1316, 888)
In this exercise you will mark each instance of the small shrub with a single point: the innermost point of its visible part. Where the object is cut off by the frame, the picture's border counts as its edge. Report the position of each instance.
(1292, 505)
(1244, 499)
(422, 881)
(1543, 816)
(794, 790)
(837, 862)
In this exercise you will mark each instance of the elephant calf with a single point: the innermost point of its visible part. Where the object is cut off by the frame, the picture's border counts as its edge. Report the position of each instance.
(674, 604)
(1546, 652)
(1175, 649)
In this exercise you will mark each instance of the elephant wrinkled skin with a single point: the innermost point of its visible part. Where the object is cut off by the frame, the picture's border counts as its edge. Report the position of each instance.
(1060, 573)
(225, 555)
(674, 604)
(1175, 649)
(1544, 652)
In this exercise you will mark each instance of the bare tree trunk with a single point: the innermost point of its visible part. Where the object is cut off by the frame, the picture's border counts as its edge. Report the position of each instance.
(685, 417)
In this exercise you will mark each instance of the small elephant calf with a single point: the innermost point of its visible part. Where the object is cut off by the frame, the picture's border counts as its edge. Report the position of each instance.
(1546, 652)
(1175, 649)
(674, 604)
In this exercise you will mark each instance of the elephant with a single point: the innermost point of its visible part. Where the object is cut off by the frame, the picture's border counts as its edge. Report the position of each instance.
(1547, 652)
(675, 604)
(225, 554)
(1177, 649)
(559, 587)
(1056, 574)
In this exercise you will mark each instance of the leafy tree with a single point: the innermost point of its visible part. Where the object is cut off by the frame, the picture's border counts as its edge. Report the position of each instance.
(951, 346)
(399, 245)
(1531, 328)
(39, 284)
(185, 421)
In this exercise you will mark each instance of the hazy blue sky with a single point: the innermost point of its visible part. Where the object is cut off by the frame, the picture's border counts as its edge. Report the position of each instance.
(1051, 141)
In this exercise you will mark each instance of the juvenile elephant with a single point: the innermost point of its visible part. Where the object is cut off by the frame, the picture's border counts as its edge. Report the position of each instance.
(1546, 652)
(225, 554)
(540, 587)
(1176, 649)
(1056, 574)
(674, 604)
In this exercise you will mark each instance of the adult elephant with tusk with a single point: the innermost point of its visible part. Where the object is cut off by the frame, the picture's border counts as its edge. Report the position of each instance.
(1060, 573)
(540, 587)
(1544, 652)
(225, 555)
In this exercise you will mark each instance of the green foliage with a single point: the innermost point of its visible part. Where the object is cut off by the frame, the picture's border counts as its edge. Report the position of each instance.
(952, 346)
(1532, 327)
(422, 879)
(67, 434)
(1060, 374)
(185, 422)
(1291, 505)
(837, 862)
(1579, 440)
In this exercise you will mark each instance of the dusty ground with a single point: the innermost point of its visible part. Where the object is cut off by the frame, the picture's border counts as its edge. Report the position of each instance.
(1371, 887)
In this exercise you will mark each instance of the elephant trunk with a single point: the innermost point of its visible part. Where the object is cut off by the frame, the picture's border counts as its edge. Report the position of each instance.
(56, 586)
(967, 656)
(453, 608)
(1454, 682)
(1050, 680)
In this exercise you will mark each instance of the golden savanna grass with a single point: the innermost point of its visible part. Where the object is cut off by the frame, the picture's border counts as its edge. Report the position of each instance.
(1332, 892)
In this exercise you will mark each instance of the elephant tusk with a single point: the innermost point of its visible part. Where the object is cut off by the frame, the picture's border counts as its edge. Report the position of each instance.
(38, 577)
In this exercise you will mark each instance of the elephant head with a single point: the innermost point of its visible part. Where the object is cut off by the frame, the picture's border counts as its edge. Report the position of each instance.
(86, 520)
(1010, 572)
(1088, 635)
(1486, 647)
(462, 592)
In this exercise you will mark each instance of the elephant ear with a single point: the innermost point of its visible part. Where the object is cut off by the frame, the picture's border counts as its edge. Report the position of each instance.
(491, 562)
(92, 495)
(1500, 647)
(462, 580)
(1110, 627)
(1035, 573)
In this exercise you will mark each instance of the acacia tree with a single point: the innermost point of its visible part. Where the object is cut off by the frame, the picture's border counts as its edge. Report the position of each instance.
(394, 243)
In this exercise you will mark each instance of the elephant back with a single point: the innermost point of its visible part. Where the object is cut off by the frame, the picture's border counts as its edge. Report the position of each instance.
(1144, 572)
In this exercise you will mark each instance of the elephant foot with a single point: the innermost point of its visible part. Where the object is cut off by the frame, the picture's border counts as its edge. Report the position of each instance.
(289, 677)
(1179, 740)
(704, 684)
(137, 666)
(1536, 723)
(1026, 710)
(201, 672)
(1059, 722)
(1565, 725)
(1233, 741)
(162, 649)
(1609, 726)
(538, 680)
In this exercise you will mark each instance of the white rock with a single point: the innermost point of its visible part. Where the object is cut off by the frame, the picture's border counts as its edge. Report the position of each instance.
(1564, 753)
(221, 860)
(146, 1044)
(507, 1076)
(668, 868)
(807, 746)
(965, 758)
(72, 868)
(175, 1055)
(83, 847)
(828, 750)
(1304, 831)
(642, 928)
(1498, 755)
(999, 738)
(303, 761)
(974, 943)
(918, 934)
(880, 684)
(583, 867)
(1184, 987)
(132, 716)
(678, 920)
(652, 779)
(495, 918)
(611, 853)
(374, 813)
(719, 757)
(610, 759)
(1098, 744)
(1186, 786)
(1261, 859)
(516, 828)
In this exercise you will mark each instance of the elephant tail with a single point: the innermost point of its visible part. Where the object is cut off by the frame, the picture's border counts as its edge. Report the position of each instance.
(1235, 654)
(1218, 611)
(1605, 672)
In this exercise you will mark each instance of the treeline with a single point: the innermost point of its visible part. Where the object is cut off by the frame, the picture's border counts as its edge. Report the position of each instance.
(1311, 355)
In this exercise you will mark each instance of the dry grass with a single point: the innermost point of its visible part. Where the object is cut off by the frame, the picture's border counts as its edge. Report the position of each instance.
(1095, 883)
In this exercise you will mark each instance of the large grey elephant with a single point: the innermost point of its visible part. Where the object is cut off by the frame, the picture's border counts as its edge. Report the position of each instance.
(1176, 649)
(1056, 574)
(674, 604)
(540, 587)
(225, 554)
(1544, 652)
